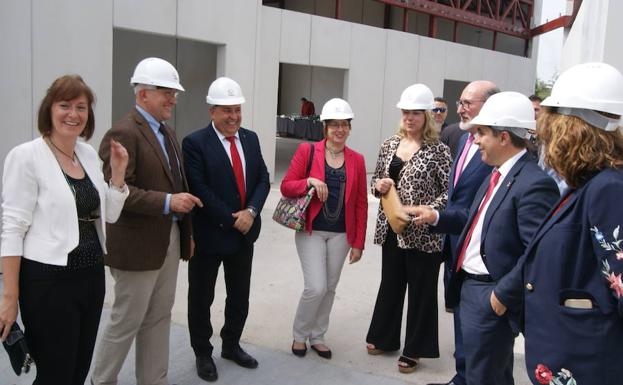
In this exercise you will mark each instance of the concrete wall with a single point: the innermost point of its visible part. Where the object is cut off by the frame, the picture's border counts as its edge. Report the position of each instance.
(317, 84)
(376, 64)
(595, 35)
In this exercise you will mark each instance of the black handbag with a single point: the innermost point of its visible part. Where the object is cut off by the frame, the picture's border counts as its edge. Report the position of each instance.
(16, 348)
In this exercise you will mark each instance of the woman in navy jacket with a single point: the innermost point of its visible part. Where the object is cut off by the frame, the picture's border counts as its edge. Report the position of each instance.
(570, 276)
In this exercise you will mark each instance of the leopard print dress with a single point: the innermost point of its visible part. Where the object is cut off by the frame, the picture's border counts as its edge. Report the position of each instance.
(423, 180)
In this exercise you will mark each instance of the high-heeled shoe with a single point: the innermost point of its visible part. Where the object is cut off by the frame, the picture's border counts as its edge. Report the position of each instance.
(299, 352)
(373, 351)
(322, 353)
(407, 365)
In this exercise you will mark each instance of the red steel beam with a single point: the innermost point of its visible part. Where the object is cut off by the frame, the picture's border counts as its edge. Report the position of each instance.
(463, 16)
(432, 26)
(561, 22)
(405, 20)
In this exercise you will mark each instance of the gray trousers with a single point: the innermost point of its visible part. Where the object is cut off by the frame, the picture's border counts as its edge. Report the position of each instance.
(141, 311)
(322, 256)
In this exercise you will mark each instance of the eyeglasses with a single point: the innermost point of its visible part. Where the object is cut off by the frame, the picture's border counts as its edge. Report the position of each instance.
(168, 92)
(466, 103)
(439, 110)
(336, 125)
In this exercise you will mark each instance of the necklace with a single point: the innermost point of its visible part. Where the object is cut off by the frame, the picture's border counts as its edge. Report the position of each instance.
(334, 154)
(73, 158)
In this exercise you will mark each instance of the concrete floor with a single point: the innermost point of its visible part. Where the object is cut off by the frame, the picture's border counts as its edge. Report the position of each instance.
(276, 286)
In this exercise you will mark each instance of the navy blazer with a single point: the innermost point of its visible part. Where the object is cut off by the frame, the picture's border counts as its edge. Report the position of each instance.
(523, 199)
(576, 254)
(461, 196)
(211, 178)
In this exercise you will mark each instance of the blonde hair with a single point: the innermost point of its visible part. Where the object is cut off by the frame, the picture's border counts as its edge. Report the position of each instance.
(575, 149)
(429, 132)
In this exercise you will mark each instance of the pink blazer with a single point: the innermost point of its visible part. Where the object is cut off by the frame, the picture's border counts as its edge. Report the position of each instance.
(294, 184)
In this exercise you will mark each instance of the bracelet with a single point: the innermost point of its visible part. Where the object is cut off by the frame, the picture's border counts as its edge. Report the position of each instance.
(122, 189)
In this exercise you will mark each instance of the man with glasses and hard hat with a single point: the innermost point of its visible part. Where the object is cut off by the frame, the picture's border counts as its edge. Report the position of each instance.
(152, 233)
(227, 172)
(506, 211)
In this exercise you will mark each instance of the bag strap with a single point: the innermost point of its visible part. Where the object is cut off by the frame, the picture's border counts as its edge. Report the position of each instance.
(311, 158)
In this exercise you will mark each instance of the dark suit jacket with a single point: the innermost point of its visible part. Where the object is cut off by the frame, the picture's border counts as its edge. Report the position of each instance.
(462, 195)
(451, 135)
(519, 205)
(211, 179)
(140, 238)
(576, 254)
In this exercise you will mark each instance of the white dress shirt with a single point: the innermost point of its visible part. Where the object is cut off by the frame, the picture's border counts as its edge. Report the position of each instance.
(226, 146)
(473, 263)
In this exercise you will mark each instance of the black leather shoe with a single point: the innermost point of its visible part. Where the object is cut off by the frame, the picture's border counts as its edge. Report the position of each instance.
(206, 370)
(240, 357)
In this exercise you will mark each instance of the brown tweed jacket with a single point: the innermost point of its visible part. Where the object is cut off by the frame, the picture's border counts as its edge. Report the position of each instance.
(139, 239)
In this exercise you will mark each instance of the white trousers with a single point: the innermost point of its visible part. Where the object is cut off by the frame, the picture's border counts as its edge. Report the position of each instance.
(322, 256)
(141, 311)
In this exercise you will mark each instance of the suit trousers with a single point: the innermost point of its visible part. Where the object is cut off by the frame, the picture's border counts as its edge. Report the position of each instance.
(202, 273)
(417, 272)
(322, 255)
(487, 338)
(141, 311)
(61, 314)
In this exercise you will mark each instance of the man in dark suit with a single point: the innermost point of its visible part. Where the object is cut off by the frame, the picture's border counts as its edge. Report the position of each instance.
(152, 233)
(226, 171)
(505, 213)
(466, 175)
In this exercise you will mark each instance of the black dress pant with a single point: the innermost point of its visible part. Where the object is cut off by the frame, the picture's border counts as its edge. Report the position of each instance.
(417, 272)
(61, 313)
(202, 274)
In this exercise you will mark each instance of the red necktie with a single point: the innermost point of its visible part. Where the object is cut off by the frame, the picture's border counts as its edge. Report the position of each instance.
(238, 173)
(492, 182)
(461, 162)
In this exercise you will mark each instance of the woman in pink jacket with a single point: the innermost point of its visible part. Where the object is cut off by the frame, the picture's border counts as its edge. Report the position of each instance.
(336, 221)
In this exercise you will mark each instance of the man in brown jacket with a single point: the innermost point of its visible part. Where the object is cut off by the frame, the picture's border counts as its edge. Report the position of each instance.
(152, 233)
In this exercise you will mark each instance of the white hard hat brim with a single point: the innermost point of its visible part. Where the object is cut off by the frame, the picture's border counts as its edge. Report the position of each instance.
(414, 107)
(233, 101)
(337, 116)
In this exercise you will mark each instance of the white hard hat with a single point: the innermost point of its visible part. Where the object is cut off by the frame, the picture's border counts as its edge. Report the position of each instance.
(224, 92)
(157, 72)
(585, 88)
(507, 111)
(336, 108)
(416, 97)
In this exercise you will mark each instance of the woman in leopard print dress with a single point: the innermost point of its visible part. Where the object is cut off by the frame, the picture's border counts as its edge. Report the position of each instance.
(418, 164)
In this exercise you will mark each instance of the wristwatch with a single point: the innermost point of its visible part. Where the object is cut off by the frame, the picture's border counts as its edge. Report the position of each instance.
(252, 211)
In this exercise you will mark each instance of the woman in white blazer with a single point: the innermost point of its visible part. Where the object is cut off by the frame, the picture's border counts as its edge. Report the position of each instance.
(55, 203)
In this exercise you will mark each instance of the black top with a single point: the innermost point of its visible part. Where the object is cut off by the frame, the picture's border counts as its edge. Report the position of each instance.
(331, 217)
(88, 253)
(394, 168)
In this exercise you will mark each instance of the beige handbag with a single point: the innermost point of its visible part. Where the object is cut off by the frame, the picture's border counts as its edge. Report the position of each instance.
(398, 219)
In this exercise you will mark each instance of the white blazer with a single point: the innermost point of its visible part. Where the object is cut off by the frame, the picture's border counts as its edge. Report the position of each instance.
(39, 215)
